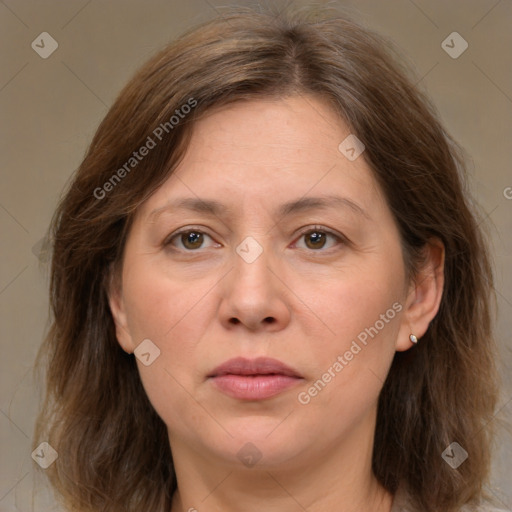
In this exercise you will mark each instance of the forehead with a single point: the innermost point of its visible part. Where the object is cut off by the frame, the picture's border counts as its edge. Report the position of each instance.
(269, 150)
(256, 132)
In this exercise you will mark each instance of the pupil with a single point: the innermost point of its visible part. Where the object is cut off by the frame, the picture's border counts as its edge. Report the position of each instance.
(317, 237)
(191, 238)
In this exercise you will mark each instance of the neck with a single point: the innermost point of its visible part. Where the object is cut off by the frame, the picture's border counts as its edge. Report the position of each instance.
(339, 479)
(276, 493)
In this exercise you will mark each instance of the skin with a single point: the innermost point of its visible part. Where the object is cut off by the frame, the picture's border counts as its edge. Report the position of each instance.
(301, 301)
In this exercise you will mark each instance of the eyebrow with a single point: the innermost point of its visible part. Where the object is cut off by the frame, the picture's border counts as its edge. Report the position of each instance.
(215, 208)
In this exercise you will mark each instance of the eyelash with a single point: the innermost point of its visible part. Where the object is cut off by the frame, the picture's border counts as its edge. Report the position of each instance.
(306, 231)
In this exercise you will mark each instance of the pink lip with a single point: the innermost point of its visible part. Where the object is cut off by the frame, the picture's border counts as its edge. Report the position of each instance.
(254, 379)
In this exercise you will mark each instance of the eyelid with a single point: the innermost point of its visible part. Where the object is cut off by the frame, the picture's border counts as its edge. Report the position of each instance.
(185, 229)
(316, 227)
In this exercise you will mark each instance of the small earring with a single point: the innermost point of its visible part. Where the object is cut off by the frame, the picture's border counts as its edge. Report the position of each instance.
(413, 338)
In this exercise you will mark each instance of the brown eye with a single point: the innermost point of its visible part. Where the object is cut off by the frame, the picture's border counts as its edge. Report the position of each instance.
(192, 239)
(318, 238)
(187, 240)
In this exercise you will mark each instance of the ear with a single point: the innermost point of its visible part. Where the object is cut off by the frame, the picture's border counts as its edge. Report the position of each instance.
(424, 295)
(117, 308)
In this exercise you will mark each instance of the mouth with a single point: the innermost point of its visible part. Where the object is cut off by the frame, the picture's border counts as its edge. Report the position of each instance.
(255, 379)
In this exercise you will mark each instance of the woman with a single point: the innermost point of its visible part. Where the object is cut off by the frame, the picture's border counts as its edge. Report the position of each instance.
(256, 286)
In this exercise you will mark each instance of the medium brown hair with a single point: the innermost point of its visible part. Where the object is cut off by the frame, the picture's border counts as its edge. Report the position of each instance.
(113, 448)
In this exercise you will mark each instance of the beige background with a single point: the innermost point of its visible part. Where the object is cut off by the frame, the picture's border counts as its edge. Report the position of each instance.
(50, 108)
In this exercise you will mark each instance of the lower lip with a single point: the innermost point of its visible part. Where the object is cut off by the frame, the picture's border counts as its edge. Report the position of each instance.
(258, 387)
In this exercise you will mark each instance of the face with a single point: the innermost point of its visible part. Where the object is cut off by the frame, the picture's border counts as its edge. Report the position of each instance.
(299, 260)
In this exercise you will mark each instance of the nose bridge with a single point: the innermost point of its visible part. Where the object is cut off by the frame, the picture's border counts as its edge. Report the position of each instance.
(252, 294)
(255, 258)
(253, 252)
(252, 262)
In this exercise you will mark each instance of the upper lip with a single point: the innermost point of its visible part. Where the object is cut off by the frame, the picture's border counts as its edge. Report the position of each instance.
(258, 366)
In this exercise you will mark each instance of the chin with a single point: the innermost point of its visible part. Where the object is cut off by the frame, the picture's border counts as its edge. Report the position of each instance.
(263, 440)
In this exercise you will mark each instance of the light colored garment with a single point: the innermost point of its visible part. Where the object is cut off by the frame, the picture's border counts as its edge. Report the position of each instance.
(401, 504)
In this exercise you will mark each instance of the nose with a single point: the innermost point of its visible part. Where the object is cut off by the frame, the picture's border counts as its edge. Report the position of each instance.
(255, 295)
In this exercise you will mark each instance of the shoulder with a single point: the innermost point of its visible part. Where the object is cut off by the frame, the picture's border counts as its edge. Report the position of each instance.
(484, 507)
(401, 504)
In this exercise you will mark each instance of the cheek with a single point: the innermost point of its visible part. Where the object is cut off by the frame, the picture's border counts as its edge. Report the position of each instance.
(160, 307)
(352, 364)
(174, 313)
(361, 300)
(362, 311)
(166, 312)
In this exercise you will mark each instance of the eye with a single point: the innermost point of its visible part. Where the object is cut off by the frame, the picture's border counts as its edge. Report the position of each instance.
(316, 238)
(190, 239)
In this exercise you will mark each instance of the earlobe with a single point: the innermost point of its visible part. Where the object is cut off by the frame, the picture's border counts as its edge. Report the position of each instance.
(117, 308)
(424, 297)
